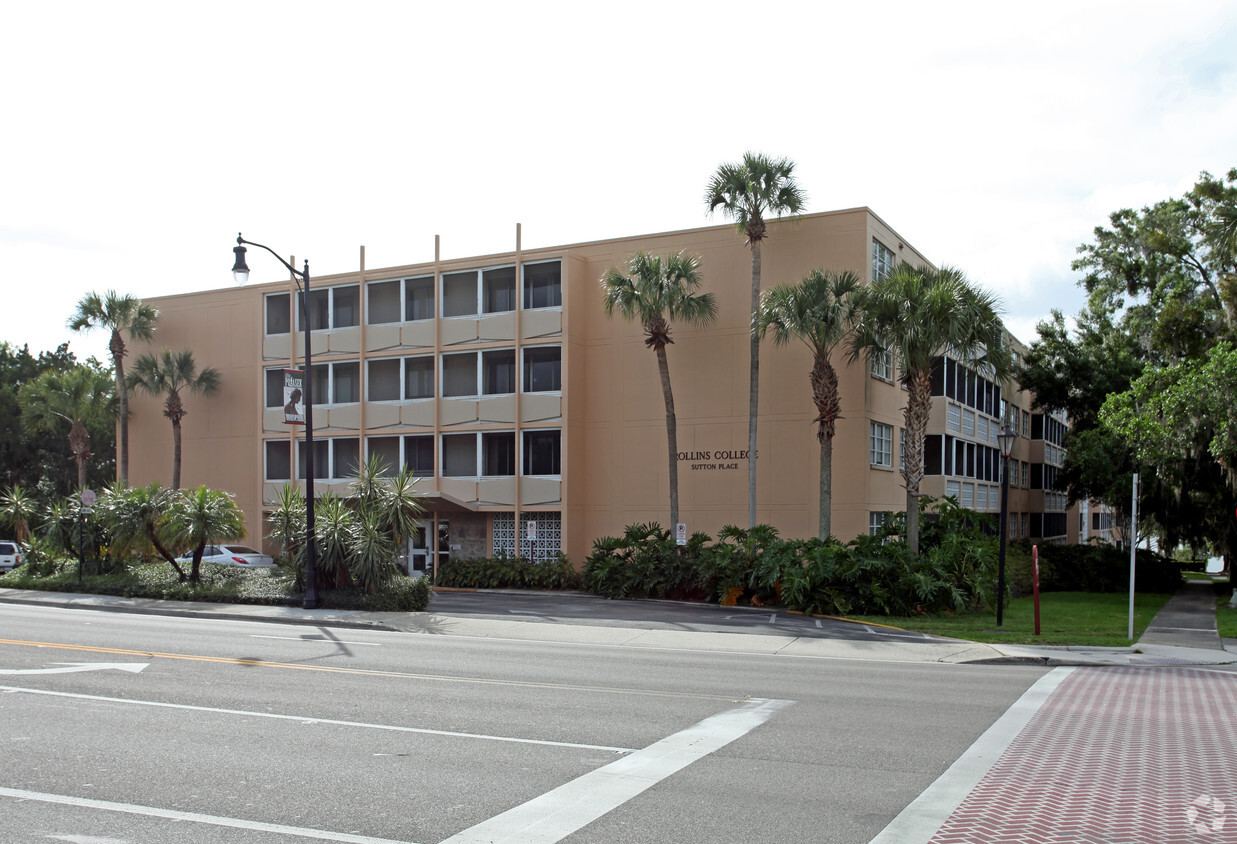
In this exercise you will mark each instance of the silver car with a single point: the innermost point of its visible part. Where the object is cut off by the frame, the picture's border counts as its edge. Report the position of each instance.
(232, 555)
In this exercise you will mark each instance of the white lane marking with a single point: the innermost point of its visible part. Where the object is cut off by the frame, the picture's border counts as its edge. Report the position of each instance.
(73, 667)
(305, 719)
(928, 812)
(316, 640)
(193, 817)
(560, 812)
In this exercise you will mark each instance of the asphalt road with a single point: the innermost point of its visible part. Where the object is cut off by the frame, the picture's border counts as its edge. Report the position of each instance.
(583, 608)
(251, 732)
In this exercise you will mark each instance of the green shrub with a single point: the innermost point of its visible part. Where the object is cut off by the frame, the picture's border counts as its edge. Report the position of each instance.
(401, 594)
(1091, 568)
(503, 572)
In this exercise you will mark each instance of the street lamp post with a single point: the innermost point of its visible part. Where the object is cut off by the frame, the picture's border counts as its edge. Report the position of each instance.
(1006, 440)
(240, 272)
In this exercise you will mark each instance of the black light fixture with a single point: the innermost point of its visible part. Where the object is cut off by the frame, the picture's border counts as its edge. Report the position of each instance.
(240, 274)
(1006, 441)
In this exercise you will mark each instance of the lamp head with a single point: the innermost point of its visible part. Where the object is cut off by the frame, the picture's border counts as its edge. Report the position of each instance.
(1006, 440)
(240, 270)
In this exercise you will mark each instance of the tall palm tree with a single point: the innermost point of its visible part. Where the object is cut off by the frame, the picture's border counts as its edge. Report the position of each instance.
(916, 314)
(653, 291)
(747, 192)
(120, 315)
(166, 375)
(819, 311)
(80, 396)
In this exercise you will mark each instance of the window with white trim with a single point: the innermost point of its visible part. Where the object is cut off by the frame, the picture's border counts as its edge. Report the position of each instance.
(882, 260)
(968, 423)
(953, 489)
(880, 365)
(335, 458)
(543, 452)
(876, 521)
(543, 285)
(400, 300)
(332, 307)
(953, 417)
(543, 369)
(414, 452)
(881, 444)
(336, 383)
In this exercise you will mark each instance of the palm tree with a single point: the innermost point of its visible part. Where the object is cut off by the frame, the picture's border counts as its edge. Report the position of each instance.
(139, 518)
(20, 507)
(746, 192)
(203, 516)
(819, 311)
(916, 314)
(80, 396)
(653, 291)
(119, 314)
(166, 375)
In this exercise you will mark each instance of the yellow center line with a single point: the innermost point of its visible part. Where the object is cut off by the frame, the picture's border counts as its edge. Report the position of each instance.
(364, 672)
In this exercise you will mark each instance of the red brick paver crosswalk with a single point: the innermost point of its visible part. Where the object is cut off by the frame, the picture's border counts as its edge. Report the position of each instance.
(1114, 756)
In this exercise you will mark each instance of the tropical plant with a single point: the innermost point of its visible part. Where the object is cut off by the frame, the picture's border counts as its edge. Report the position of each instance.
(819, 311)
(166, 375)
(79, 396)
(654, 291)
(139, 519)
(203, 516)
(120, 315)
(916, 314)
(287, 528)
(20, 508)
(747, 192)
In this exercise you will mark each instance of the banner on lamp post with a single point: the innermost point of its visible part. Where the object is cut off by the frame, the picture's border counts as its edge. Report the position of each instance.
(293, 397)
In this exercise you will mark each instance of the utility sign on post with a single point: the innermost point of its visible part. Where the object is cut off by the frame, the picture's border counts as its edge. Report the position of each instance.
(88, 500)
(293, 397)
(680, 534)
(531, 531)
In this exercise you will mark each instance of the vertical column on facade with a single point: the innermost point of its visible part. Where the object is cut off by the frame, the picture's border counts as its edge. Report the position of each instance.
(519, 388)
(432, 540)
(362, 375)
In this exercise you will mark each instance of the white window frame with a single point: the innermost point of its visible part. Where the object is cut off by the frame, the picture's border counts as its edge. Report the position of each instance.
(880, 445)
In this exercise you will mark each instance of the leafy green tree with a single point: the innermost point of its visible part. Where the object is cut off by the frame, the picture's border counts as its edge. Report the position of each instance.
(165, 376)
(203, 516)
(139, 519)
(120, 315)
(747, 192)
(19, 507)
(654, 291)
(916, 314)
(819, 311)
(79, 397)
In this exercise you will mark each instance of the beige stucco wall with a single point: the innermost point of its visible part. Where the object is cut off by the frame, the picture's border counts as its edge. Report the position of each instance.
(611, 411)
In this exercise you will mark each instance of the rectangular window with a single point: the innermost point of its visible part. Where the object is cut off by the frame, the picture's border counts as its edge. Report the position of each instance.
(498, 452)
(981, 429)
(319, 311)
(384, 302)
(345, 457)
(419, 298)
(278, 314)
(345, 383)
(382, 383)
(459, 455)
(968, 496)
(498, 289)
(968, 423)
(880, 364)
(498, 372)
(876, 521)
(386, 450)
(419, 377)
(345, 306)
(881, 440)
(419, 455)
(543, 369)
(542, 452)
(1026, 476)
(459, 375)
(981, 497)
(953, 490)
(953, 417)
(902, 449)
(274, 388)
(459, 294)
(882, 260)
(278, 462)
(543, 285)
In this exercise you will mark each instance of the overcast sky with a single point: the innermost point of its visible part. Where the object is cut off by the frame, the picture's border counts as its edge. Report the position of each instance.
(140, 137)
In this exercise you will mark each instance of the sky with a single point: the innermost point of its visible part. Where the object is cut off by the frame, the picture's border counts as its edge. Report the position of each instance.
(140, 137)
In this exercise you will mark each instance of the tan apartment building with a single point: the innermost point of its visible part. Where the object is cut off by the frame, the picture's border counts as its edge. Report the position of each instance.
(536, 424)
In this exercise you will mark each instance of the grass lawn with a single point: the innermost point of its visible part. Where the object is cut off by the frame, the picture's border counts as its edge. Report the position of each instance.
(1066, 618)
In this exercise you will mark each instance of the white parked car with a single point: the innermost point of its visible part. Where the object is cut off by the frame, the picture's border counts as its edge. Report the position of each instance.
(10, 555)
(232, 555)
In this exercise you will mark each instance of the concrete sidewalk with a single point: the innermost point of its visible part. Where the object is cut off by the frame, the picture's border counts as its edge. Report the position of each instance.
(1182, 634)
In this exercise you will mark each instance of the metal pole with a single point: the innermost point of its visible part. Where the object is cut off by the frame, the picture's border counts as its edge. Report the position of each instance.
(1000, 578)
(311, 551)
(1133, 546)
